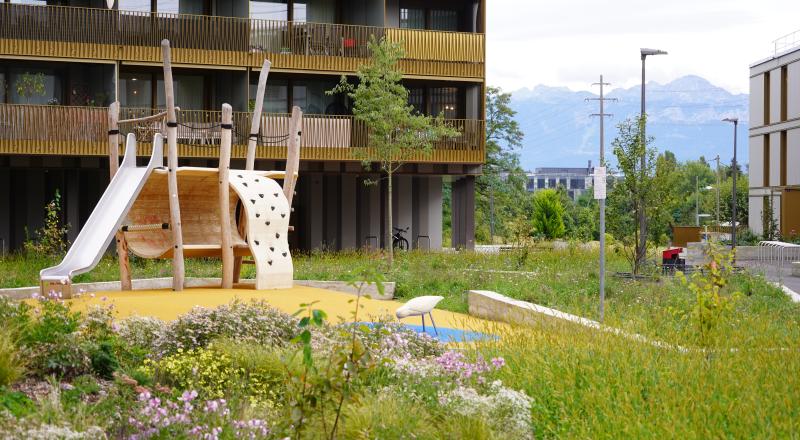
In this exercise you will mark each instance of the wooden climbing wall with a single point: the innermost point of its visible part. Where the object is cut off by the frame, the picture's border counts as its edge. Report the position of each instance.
(267, 212)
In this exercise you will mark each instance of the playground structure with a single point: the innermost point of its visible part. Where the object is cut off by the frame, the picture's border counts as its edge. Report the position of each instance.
(184, 212)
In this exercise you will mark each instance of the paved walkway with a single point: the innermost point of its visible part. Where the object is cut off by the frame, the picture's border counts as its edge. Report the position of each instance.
(774, 272)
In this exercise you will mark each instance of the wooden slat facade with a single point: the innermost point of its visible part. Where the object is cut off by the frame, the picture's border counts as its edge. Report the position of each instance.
(112, 35)
(82, 131)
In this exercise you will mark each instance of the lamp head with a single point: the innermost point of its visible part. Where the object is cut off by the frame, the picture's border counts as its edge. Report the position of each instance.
(645, 52)
(734, 120)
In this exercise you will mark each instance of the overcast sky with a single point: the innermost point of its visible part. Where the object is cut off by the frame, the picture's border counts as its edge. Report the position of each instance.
(570, 42)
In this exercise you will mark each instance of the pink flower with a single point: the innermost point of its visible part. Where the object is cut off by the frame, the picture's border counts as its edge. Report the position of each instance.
(498, 362)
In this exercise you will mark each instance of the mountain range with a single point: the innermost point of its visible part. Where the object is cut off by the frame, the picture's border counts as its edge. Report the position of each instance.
(684, 116)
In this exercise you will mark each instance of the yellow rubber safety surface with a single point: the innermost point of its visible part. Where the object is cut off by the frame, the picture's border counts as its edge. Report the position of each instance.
(168, 305)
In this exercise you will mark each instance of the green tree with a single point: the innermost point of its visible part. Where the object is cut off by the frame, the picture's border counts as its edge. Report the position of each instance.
(500, 193)
(395, 131)
(548, 214)
(29, 85)
(638, 191)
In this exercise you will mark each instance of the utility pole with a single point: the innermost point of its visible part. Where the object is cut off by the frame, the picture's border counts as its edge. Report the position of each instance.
(717, 159)
(599, 192)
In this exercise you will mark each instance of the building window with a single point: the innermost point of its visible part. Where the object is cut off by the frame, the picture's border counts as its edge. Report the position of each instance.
(577, 184)
(444, 20)
(412, 18)
(444, 100)
(188, 92)
(551, 183)
(3, 87)
(562, 182)
(540, 183)
(314, 11)
(135, 90)
(416, 98)
(310, 96)
(19, 77)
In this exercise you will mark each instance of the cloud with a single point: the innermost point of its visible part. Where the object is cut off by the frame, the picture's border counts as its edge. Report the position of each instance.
(570, 42)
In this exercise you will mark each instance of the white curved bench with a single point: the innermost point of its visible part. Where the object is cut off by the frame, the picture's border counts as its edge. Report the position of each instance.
(420, 306)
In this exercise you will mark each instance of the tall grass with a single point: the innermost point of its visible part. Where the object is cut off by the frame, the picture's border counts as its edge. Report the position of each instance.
(12, 365)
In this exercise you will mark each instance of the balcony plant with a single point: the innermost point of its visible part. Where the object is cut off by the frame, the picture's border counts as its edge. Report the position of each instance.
(30, 85)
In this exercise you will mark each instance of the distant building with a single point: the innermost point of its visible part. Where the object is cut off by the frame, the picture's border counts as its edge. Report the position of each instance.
(775, 139)
(574, 180)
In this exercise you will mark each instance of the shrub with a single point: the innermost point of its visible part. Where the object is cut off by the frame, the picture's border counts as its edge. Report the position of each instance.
(506, 411)
(103, 359)
(16, 403)
(51, 239)
(186, 417)
(389, 339)
(11, 362)
(548, 214)
(67, 356)
(248, 322)
(206, 370)
(141, 332)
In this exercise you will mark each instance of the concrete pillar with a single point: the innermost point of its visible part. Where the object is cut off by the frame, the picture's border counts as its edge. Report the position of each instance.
(315, 211)
(754, 214)
(349, 215)
(332, 205)
(369, 214)
(402, 198)
(427, 218)
(72, 204)
(463, 212)
(5, 210)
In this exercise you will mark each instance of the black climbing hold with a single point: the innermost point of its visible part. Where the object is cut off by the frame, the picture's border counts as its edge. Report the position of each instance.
(258, 215)
(277, 235)
(271, 248)
(256, 242)
(239, 176)
(269, 262)
(256, 180)
(272, 208)
(284, 254)
(267, 223)
(283, 215)
(275, 194)
(253, 200)
(261, 195)
(244, 183)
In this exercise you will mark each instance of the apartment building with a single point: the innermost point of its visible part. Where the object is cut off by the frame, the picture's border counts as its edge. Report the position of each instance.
(62, 62)
(575, 181)
(775, 139)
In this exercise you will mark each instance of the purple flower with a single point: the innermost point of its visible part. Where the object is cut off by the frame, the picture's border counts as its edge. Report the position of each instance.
(498, 362)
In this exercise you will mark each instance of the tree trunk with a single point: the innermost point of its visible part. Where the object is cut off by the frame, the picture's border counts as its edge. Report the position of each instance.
(388, 235)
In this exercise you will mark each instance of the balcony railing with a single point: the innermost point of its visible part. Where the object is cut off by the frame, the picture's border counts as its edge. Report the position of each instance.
(61, 130)
(74, 32)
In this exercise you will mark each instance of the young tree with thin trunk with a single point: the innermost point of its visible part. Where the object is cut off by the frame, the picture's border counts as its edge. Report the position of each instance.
(395, 132)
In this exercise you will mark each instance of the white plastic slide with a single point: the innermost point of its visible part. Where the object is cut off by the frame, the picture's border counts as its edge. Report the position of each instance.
(106, 219)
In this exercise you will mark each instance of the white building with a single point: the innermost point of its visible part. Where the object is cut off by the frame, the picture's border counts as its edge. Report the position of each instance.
(574, 180)
(775, 138)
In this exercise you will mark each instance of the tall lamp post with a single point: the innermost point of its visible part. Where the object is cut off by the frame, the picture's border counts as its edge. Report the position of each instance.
(735, 122)
(642, 219)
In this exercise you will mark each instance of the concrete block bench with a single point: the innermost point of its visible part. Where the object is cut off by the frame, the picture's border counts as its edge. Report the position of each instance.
(796, 268)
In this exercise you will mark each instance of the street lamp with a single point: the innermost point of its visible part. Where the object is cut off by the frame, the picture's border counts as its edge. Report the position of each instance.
(697, 201)
(642, 220)
(735, 122)
(709, 188)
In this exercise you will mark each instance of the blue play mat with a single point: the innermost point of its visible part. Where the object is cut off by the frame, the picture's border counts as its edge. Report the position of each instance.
(446, 334)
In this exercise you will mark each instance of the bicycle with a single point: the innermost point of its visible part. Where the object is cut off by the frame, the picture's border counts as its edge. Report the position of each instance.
(398, 241)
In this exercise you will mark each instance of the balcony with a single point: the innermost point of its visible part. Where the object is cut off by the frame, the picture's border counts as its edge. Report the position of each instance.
(82, 131)
(85, 33)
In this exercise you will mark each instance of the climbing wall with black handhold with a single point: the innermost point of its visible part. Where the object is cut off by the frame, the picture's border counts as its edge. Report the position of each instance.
(267, 213)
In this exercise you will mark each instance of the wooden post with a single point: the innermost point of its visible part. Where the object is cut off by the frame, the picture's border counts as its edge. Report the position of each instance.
(293, 153)
(172, 177)
(224, 197)
(113, 138)
(255, 125)
(113, 167)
